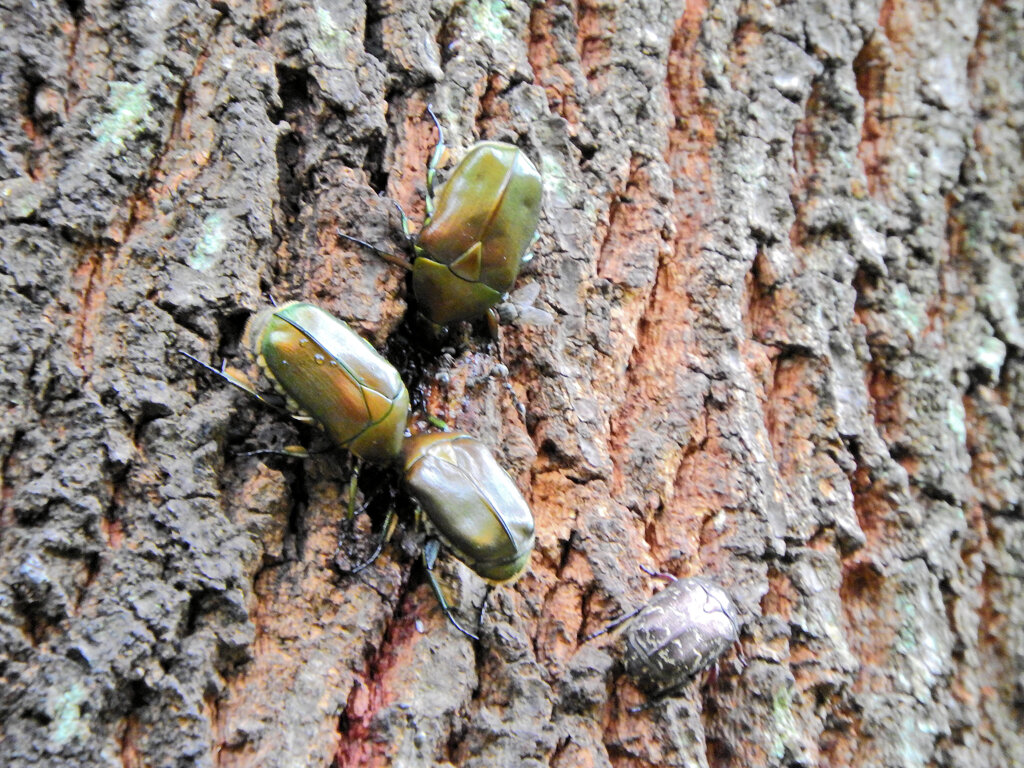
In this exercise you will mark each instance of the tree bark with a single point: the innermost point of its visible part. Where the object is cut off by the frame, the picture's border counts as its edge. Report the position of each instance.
(784, 247)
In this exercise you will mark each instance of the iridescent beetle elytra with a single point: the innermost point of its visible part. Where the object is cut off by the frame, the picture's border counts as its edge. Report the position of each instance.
(477, 232)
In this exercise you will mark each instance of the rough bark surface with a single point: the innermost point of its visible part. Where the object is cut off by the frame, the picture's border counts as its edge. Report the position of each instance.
(784, 246)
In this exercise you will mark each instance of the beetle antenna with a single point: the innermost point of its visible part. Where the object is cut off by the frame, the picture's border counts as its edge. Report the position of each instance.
(657, 574)
(237, 382)
(389, 257)
(621, 620)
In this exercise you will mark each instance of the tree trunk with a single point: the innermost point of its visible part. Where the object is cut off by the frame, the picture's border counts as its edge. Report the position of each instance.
(783, 247)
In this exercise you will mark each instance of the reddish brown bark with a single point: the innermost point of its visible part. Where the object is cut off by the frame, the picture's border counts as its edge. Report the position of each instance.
(782, 245)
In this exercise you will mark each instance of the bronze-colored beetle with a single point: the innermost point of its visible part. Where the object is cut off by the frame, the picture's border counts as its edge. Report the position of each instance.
(471, 506)
(331, 376)
(475, 237)
(470, 249)
(331, 373)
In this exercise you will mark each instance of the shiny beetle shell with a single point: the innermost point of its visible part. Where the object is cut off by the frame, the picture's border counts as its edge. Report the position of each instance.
(469, 252)
(679, 633)
(471, 503)
(333, 375)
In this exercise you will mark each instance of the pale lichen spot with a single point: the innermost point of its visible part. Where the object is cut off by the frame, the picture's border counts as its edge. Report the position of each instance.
(489, 18)
(129, 111)
(211, 242)
(67, 714)
(19, 198)
(908, 310)
(331, 40)
(785, 724)
(906, 637)
(956, 420)
(556, 183)
(1003, 300)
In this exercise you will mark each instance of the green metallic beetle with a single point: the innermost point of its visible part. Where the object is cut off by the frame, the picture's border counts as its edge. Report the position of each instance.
(471, 506)
(331, 376)
(477, 233)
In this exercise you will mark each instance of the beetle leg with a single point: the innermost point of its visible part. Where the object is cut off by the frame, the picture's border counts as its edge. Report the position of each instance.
(656, 698)
(494, 324)
(741, 657)
(353, 484)
(437, 421)
(500, 372)
(483, 607)
(409, 237)
(430, 552)
(435, 160)
(291, 451)
(528, 256)
(649, 704)
(390, 521)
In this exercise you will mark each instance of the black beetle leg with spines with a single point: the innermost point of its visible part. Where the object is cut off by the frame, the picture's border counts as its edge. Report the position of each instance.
(387, 531)
(483, 605)
(627, 616)
(240, 381)
(612, 625)
(435, 161)
(387, 256)
(657, 574)
(430, 552)
(501, 372)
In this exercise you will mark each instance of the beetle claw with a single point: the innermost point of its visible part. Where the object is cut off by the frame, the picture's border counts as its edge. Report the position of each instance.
(461, 628)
